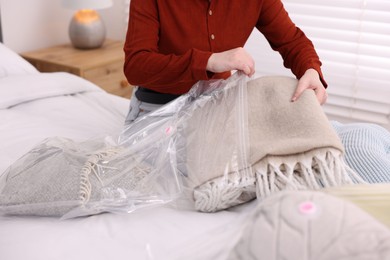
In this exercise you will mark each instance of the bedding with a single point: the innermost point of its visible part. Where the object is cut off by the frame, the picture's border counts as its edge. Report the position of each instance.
(35, 107)
(299, 225)
(311, 225)
(85, 113)
(42, 107)
(166, 232)
(12, 64)
(367, 149)
(51, 188)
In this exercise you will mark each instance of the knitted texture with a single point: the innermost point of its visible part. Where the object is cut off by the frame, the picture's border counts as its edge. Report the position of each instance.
(60, 177)
(46, 181)
(293, 145)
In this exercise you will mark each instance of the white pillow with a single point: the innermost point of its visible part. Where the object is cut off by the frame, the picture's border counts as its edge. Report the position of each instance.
(13, 64)
(17, 89)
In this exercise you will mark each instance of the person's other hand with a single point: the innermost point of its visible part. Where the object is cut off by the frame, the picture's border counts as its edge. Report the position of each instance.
(234, 59)
(311, 80)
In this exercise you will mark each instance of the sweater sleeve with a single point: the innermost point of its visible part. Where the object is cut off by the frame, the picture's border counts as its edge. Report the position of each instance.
(145, 65)
(284, 36)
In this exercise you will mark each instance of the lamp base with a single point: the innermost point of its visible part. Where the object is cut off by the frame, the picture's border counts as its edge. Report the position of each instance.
(87, 30)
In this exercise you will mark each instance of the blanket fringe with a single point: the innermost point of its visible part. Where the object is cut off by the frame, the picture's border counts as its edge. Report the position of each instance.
(130, 176)
(90, 167)
(313, 170)
(225, 192)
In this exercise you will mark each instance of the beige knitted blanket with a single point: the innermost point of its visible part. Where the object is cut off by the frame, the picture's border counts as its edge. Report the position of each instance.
(234, 153)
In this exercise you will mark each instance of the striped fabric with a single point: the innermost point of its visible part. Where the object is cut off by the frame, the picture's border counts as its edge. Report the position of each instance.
(367, 149)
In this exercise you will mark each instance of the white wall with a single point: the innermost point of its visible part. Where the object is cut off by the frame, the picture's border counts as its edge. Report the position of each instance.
(260, 50)
(33, 24)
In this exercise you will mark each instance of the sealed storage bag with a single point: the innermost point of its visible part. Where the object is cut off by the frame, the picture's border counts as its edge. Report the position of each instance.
(60, 177)
(209, 145)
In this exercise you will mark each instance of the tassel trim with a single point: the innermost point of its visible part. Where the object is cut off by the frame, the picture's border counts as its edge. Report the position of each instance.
(90, 167)
(313, 170)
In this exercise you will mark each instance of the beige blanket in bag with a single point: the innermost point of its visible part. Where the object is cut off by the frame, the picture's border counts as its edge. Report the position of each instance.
(273, 144)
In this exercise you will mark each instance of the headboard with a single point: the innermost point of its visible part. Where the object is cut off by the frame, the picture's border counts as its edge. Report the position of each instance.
(1, 33)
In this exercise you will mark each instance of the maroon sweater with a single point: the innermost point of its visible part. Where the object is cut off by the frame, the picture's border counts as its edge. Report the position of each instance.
(169, 42)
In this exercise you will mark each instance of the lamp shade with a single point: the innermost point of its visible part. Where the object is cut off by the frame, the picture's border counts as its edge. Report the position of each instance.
(86, 4)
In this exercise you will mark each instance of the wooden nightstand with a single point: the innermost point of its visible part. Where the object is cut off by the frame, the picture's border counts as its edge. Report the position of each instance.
(102, 66)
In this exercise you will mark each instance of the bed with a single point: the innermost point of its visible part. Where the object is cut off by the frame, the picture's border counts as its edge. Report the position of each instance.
(35, 106)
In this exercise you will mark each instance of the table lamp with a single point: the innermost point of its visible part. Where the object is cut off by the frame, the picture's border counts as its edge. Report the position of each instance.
(86, 29)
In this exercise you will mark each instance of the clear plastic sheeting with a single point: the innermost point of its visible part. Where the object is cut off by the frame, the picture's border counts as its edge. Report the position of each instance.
(207, 132)
(180, 152)
(62, 178)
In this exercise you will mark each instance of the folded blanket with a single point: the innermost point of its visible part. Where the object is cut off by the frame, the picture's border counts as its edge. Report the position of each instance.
(64, 178)
(291, 145)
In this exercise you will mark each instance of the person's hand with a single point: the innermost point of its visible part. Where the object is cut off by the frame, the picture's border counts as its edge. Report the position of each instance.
(234, 59)
(311, 80)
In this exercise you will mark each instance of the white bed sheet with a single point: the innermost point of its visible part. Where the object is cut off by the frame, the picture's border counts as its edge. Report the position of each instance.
(155, 233)
(63, 105)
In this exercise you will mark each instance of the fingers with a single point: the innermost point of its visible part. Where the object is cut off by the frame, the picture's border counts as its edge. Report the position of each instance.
(321, 95)
(252, 69)
(298, 91)
(249, 63)
(240, 60)
(235, 59)
(320, 92)
(248, 70)
(310, 80)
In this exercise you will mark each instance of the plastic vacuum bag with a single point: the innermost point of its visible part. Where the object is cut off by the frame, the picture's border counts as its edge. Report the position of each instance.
(182, 151)
(211, 146)
(208, 143)
(63, 178)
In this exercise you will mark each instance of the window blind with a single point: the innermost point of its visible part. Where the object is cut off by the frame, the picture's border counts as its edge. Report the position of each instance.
(352, 38)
